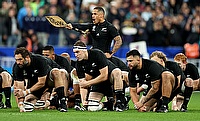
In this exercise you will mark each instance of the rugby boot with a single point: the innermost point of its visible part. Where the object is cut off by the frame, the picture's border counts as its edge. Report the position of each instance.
(119, 106)
(163, 109)
(63, 105)
(8, 104)
(183, 108)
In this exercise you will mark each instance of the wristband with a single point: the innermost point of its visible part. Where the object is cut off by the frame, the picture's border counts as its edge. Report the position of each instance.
(144, 86)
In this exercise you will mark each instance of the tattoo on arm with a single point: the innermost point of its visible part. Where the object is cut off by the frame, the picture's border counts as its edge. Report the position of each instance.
(118, 43)
(155, 87)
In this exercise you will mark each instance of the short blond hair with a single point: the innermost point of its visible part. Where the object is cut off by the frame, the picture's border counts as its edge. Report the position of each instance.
(159, 54)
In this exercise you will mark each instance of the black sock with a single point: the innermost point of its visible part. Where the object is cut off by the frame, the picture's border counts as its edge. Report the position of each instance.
(77, 99)
(120, 96)
(7, 93)
(60, 92)
(165, 101)
(1, 96)
(187, 95)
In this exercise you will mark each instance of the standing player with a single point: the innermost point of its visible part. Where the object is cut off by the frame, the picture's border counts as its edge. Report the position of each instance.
(102, 32)
(41, 77)
(68, 72)
(5, 86)
(98, 73)
(191, 73)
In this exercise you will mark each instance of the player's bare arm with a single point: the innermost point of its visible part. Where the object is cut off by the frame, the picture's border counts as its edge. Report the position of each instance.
(155, 87)
(117, 45)
(133, 93)
(102, 77)
(39, 84)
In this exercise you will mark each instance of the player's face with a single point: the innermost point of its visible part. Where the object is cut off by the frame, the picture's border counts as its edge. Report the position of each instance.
(96, 16)
(47, 54)
(79, 54)
(181, 64)
(133, 62)
(21, 62)
(159, 60)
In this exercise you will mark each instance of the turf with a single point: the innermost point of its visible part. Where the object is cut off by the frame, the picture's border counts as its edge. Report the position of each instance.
(13, 114)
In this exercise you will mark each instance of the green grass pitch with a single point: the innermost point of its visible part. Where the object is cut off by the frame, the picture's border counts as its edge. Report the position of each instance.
(13, 114)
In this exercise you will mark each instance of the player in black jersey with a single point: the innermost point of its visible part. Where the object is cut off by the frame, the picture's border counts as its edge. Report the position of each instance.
(192, 75)
(172, 77)
(147, 71)
(97, 72)
(5, 86)
(70, 76)
(40, 76)
(102, 32)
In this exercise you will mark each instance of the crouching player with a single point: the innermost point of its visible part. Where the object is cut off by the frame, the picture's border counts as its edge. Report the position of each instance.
(97, 72)
(40, 77)
(5, 86)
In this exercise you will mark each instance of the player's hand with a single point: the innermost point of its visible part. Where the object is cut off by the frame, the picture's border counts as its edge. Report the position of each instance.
(143, 109)
(69, 26)
(19, 93)
(83, 83)
(138, 105)
(108, 55)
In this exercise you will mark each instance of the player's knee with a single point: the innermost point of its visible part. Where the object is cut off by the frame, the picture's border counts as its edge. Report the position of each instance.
(188, 82)
(117, 73)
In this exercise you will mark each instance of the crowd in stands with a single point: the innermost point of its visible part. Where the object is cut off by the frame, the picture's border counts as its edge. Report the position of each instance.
(158, 22)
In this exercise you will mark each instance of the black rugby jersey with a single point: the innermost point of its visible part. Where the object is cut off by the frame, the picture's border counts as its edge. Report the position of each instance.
(63, 62)
(39, 67)
(149, 72)
(96, 61)
(191, 71)
(102, 34)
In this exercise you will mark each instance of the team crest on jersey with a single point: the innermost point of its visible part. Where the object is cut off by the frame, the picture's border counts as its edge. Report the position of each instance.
(147, 76)
(24, 73)
(188, 76)
(93, 28)
(94, 65)
(104, 29)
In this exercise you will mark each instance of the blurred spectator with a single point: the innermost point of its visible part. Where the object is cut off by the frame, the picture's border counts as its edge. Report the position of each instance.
(146, 14)
(193, 28)
(31, 42)
(175, 27)
(26, 41)
(12, 26)
(42, 25)
(3, 36)
(36, 45)
(53, 32)
(35, 5)
(173, 6)
(71, 35)
(22, 13)
(29, 21)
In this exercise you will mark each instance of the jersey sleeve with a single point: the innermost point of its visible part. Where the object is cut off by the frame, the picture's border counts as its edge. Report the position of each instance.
(101, 59)
(17, 73)
(132, 79)
(113, 31)
(193, 71)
